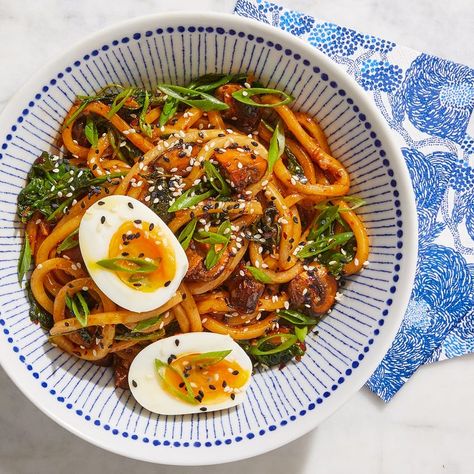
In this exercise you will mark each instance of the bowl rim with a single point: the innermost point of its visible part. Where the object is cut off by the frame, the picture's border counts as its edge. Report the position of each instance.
(409, 218)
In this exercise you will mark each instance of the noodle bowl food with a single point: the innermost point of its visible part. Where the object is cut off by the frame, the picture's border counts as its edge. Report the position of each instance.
(181, 211)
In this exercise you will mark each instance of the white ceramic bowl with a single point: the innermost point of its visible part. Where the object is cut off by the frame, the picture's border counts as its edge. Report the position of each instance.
(282, 404)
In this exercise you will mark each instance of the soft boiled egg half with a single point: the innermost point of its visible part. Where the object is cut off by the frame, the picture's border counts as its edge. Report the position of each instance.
(190, 373)
(130, 253)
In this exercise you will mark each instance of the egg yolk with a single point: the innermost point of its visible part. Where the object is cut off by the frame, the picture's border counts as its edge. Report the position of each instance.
(210, 383)
(146, 243)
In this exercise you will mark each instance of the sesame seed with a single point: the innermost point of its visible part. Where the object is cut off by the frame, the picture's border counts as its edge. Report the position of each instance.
(102, 219)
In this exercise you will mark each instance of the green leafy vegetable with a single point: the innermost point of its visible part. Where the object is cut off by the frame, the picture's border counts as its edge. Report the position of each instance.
(277, 146)
(293, 165)
(161, 367)
(36, 313)
(24, 262)
(91, 133)
(53, 184)
(189, 199)
(187, 233)
(245, 96)
(297, 318)
(77, 305)
(69, 242)
(213, 256)
(216, 180)
(147, 323)
(139, 265)
(192, 97)
(259, 275)
(145, 127)
(160, 197)
(141, 336)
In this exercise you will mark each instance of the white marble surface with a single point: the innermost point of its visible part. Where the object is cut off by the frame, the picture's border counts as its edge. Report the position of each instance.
(427, 428)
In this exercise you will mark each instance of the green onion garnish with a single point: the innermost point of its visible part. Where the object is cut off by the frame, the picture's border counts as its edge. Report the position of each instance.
(216, 180)
(287, 340)
(245, 96)
(189, 199)
(186, 234)
(188, 96)
(259, 275)
(297, 318)
(140, 265)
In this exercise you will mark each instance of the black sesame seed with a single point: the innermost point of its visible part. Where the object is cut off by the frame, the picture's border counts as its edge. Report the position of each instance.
(141, 255)
(181, 385)
(295, 219)
(107, 190)
(224, 384)
(176, 341)
(101, 203)
(171, 358)
(66, 324)
(212, 387)
(102, 220)
(203, 409)
(137, 284)
(125, 254)
(151, 226)
(137, 221)
(130, 205)
(232, 395)
(134, 383)
(83, 205)
(235, 372)
(167, 283)
(201, 135)
(184, 296)
(181, 154)
(201, 393)
(254, 143)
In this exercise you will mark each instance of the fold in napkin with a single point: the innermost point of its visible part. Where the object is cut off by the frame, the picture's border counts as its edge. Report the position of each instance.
(428, 103)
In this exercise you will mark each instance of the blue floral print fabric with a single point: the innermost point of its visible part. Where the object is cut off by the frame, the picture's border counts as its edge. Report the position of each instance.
(428, 102)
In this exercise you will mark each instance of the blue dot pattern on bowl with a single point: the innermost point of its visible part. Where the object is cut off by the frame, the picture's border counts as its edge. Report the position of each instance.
(276, 399)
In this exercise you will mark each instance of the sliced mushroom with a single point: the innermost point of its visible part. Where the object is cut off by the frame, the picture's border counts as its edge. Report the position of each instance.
(240, 166)
(313, 290)
(244, 290)
(176, 159)
(242, 116)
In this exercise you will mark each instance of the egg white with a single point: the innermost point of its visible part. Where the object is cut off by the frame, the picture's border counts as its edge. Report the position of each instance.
(147, 388)
(94, 241)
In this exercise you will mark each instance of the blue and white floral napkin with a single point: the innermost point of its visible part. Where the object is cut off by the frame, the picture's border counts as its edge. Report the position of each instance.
(428, 102)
